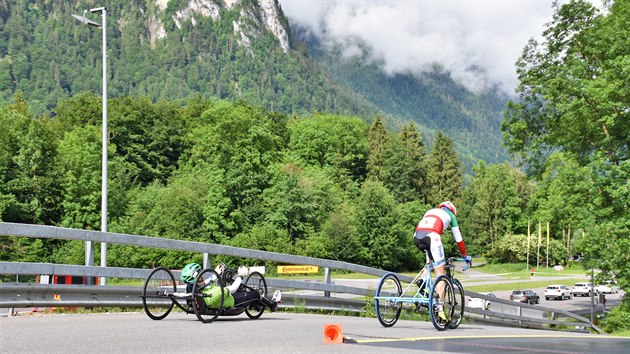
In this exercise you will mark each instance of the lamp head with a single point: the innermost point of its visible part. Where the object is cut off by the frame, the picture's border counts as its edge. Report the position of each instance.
(98, 9)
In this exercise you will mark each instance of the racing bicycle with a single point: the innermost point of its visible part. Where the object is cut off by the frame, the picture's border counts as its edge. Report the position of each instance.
(422, 292)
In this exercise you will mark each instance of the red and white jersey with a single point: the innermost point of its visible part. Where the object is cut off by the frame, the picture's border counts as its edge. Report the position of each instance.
(437, 220)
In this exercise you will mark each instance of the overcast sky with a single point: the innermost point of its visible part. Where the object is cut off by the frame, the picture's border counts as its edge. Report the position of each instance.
(413, 35)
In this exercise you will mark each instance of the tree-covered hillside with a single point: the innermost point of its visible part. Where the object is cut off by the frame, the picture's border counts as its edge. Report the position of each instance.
(432, 99)
(49, 56)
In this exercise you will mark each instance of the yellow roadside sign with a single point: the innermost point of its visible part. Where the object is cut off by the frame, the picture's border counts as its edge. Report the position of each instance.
(288, 269)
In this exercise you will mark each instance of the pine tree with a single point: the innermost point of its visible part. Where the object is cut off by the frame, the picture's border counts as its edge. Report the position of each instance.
(444, 171)
(377, 138)
(415, 149)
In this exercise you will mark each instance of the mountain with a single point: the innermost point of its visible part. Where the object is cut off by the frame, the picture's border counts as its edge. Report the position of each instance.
(227, 49)
(433, 100)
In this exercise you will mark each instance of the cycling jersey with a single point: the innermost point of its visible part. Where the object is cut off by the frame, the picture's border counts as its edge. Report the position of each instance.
(433, 224)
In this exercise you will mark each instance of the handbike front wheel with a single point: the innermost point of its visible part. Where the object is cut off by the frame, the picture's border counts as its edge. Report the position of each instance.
(155, 299)
(208, 295)
(439, 303)
(458, 313)
(256, 282)
(386, 301)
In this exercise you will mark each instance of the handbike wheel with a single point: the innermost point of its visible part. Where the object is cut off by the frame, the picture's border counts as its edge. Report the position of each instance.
(208, 289)
(256, 282)
(458, 313)
(386, 300)
(446, 302)
(155, 299)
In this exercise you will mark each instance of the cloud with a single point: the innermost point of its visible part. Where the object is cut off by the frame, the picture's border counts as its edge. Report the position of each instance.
(478, 42)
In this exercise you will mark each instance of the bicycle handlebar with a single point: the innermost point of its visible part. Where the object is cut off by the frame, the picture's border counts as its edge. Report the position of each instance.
(456, 259)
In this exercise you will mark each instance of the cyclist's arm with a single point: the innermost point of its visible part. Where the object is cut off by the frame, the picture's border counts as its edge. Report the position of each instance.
(457, 234)
(234, 286)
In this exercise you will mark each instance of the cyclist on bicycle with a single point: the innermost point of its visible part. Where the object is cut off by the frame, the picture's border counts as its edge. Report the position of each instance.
(428, 237)
(235, 295)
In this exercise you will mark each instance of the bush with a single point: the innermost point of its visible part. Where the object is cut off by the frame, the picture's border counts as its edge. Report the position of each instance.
(618, 319)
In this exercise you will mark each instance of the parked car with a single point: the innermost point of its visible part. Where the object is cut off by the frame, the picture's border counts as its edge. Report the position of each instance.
(527, 296)
(557, 292)
(581, 289)
(479, 303)
(608, 287)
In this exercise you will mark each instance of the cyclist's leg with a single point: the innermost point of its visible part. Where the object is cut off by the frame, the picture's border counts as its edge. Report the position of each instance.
(422, 240)
(437, 253)
(246, 298)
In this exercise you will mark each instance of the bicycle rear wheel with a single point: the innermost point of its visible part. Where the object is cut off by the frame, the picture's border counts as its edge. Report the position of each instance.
(387, 293)
(256, 282)
(155, 299)
(444, 304)
(208, 287)
(458, 313)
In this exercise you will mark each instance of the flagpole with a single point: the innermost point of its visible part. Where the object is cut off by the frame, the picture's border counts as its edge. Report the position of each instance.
(528, 242)
(547, 245)
(538, 246)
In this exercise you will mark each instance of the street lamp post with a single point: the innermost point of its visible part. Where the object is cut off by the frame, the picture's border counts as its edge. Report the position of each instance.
(89, 247)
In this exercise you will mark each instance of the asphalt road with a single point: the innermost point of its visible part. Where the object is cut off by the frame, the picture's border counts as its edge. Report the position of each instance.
(277, 333)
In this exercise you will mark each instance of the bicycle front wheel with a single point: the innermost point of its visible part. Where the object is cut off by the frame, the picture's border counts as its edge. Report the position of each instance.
(442, 304)
(458, 314)
(256, 281)
(208, 295)
(386, 301)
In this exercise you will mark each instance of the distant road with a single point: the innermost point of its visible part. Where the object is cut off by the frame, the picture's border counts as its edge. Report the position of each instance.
(276, 333)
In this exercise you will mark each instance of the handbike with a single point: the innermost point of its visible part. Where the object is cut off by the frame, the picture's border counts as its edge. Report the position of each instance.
(390, 298)
(160, 294)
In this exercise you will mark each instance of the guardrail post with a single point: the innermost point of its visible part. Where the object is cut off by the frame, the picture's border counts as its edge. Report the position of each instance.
(206, 260)
(89, 257)
(327, 280)
(520, 314)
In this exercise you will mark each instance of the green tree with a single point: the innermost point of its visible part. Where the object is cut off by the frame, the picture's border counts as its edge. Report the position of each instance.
(27, 152)
(300, 201)
(564, 195)
(574, 87)
(377, 138)
(376, 216)
(404, 165)
(342, 233)
(234, 147)
(444, 171)
(494, 205)
(330, 140)
(573, 96)
(79, 166)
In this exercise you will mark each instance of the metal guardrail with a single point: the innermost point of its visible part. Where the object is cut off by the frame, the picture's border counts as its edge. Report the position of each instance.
(33, 295)
(41, 231)
(17, 295)
(519, 314)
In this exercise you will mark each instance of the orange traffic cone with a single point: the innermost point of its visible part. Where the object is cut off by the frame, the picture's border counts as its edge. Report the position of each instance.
(333, 334)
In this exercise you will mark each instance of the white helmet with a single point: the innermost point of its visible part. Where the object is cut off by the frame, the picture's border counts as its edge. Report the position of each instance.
(449, 206)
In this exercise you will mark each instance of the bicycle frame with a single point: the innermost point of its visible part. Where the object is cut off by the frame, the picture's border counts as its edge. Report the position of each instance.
(417, 297)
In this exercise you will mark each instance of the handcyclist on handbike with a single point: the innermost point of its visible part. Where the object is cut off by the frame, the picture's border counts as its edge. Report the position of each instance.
(235, 295)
